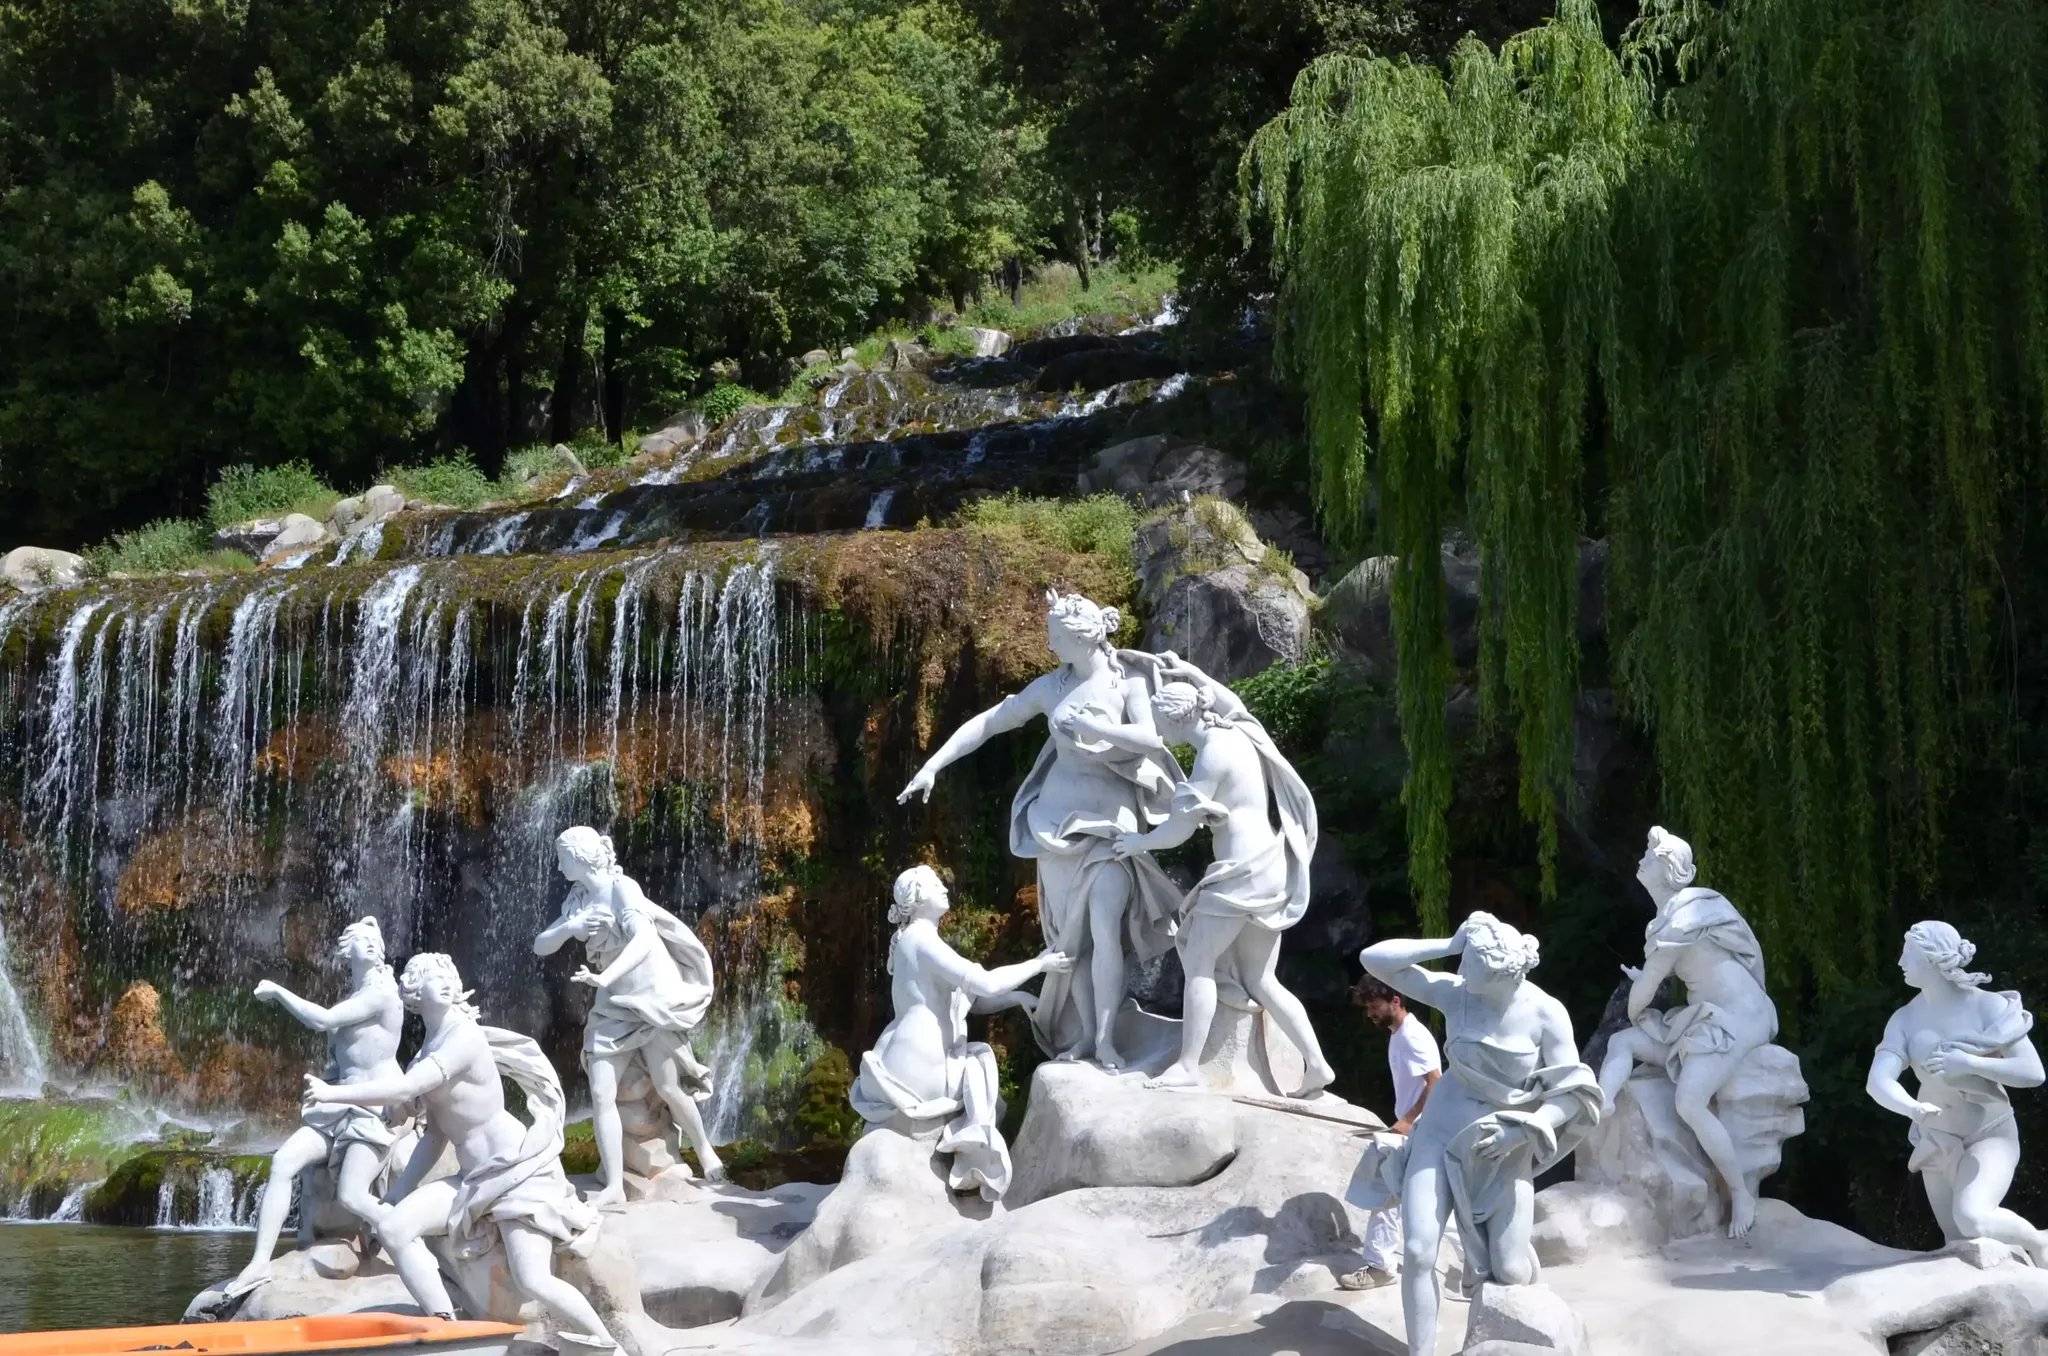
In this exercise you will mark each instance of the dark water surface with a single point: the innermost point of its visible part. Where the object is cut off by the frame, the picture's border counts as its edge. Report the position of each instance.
(99, 1276)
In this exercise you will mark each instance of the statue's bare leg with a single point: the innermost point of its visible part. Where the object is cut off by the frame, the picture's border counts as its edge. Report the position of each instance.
(354, 1184)
(689, 1119)
(1982, 1179)
(1202, 943)
(1941, 1198)
(403, 1233)
(305, 1148)
(1693, 1099)
(1625, 1050)
(530, 1256)
(1258, 952)
(1109, 895)
(606, 1127)
(1510, 1251)
(1425, 1205)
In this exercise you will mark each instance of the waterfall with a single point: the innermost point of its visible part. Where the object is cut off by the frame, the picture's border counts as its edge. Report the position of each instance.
(22, 1068)
(216, 1200)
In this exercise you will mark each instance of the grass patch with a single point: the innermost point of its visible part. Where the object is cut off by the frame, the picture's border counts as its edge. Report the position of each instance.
(1102, 524)
(453, 481)
(245, 492)
(1055, 294)
(164, 546)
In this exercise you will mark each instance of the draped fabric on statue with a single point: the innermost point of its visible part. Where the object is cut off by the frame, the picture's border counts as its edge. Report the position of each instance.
(1073, 848)
(981, 1158)
(527, 1185)
(1697, 916)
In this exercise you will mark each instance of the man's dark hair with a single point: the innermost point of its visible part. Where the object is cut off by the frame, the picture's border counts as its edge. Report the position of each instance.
(1370, 987)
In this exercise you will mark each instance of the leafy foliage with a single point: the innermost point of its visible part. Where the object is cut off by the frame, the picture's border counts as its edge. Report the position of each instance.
(723, 401)
(245, 492)
(1101, 524)
(162, 546)
(454, 481)
(1785, 260)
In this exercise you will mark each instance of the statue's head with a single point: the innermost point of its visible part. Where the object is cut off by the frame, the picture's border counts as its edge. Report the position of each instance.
(1178, 709)
(1075, 627)
(1667, 863)
(583, 852)
(1935, 954)
(431, 981)
(1497, 954)
(919, 893)
(361, 940)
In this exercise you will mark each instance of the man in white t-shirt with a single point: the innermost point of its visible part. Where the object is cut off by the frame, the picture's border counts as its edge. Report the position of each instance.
(1413, 1059)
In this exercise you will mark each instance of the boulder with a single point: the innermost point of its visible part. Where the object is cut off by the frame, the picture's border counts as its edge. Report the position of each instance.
(1520, 1320)
(815, 357)
(381, 502)
(251, 538)
(1158, 471)
(907, 355)
(1293, 533)
(987, 343)
(1092, 369)
(298, 532)
(678, 431)
(35, 567)
(1645, 1149)
(848, 353)
(345, 513)
(702, 1253)
(1217, 594)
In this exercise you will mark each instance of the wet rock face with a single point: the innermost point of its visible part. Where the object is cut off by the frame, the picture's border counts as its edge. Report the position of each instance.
(1218, 595)
(1159, 470)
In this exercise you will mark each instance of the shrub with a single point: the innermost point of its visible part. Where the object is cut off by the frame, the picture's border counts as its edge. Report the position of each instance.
(1102, 524)
(453, 481)
(725, 400)
(245, 492)
(163, 546)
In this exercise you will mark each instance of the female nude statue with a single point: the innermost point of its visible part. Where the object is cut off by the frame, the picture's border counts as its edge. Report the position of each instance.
(1514, 1099)
(923, 1066)
(1258, 884)
(362, 1046)
(511, 1187)
(1081, 795)
(653, 990)
(1698, 936)
(1966, 1045)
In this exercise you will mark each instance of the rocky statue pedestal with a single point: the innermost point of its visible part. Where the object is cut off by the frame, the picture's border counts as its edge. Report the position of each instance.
(1246, 1052)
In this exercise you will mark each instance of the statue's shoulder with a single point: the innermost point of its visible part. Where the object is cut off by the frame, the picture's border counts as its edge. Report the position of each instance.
(1697, 907)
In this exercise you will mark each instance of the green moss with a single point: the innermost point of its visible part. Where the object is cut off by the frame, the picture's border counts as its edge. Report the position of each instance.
(1101, 524)
(579, 1148)
(48, 1148)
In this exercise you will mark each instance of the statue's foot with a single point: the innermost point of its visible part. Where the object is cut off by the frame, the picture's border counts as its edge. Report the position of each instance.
(1318, 1076)
(1179, 1076)
(714, 1169)
(1071, 1054)
(253, 1275)
(611, 1195)
(1106, 1055)
(1741, 1213)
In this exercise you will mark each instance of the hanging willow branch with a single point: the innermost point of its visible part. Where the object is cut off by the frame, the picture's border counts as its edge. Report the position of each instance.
(1803, 286)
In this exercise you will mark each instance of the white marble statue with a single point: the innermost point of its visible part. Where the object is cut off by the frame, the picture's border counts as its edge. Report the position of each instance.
(1258, 885)
(354, 1142)
(1698, 937)
(1081, 795)
(653, 988)
(1965, 1045)
(1514, 1100)
(923, 1067)
(511, 1190)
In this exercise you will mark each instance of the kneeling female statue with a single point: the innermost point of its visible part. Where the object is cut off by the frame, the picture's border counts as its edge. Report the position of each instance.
(1965, 1045)
(923, 1067)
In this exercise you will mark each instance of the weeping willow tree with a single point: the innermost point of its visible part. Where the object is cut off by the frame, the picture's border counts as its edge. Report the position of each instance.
(1773, 269)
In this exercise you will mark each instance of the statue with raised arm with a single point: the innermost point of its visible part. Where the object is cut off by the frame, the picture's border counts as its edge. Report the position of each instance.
(1514, 1100)
(1698, 937)
(923, 1067)
(354, 1142)
(1084, 792)
(511, 1190)
(653, 988)
(1258, 885)
(1966, 1045)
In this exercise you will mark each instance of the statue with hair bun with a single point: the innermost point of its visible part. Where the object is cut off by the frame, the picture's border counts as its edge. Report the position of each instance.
(653, 989)
(1514, 1101)
(1085, 793)
(923, 1068)
(1966, 1045)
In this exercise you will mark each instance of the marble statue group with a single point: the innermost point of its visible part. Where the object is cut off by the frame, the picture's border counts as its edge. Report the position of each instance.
(1683, 1103)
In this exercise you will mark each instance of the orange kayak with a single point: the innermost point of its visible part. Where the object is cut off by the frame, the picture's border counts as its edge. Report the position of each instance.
(329, 1334)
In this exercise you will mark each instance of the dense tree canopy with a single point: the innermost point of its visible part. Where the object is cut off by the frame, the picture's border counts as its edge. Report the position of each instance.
(352, 232)
(1780, 265)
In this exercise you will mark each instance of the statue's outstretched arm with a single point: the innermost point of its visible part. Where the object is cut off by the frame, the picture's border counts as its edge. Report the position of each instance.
(977, 982)
(1397, 963)
(357, 1008)
(422, 1078)
(1008, 714)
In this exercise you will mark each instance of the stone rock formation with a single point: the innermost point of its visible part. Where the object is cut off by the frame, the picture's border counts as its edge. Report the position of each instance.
(1218, 595)
(1159, 470)
(35, 567)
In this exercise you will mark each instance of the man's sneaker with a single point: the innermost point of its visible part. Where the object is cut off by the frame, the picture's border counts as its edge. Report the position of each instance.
(1366, 1278)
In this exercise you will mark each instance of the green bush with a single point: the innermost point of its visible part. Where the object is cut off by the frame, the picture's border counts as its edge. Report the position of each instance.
(1102, 524)
(453, 481)
(161, 547)
(725, 400)
(245, 492)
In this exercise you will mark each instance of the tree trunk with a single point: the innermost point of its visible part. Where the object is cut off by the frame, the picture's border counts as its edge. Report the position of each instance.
(568, 383)
(614, 391)
(1077, 242)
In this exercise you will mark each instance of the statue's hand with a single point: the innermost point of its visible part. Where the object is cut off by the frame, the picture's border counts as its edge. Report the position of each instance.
(1925, 1111)
(1495, 1142)
(920, 786)
(585, 975)
(1055, 963)
(1129, 843)
(1946, 1059)
(319, 1090)
(266, 990)
(1634, 972)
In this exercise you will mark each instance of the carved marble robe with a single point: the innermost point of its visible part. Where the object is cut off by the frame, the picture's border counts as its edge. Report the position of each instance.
(528, 1184)
(1697, 916)
(1973, 1108)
